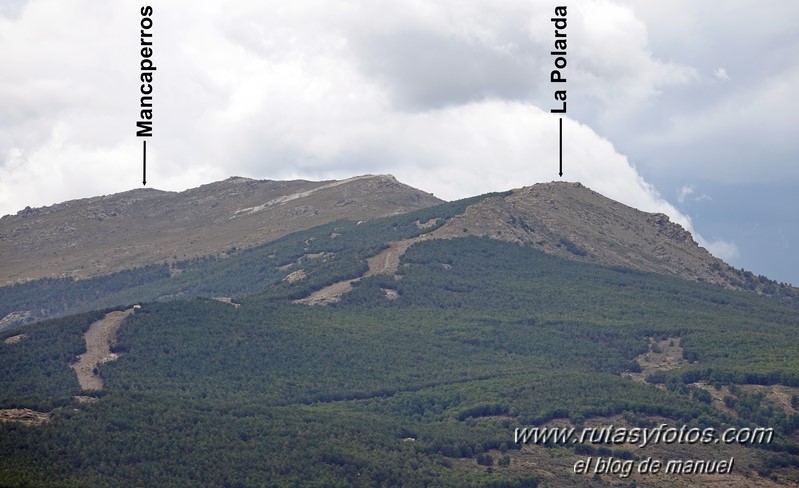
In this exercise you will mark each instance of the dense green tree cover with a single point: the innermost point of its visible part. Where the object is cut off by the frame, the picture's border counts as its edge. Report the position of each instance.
(35, 372)
(378, 392)
(50, 297)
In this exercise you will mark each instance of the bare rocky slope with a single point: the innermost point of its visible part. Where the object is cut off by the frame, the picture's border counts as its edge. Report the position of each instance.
(576, 223)
(101, 235)
(572, 221)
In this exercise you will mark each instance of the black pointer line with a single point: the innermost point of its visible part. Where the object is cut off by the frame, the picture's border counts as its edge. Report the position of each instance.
(561, 146)
(144, 163)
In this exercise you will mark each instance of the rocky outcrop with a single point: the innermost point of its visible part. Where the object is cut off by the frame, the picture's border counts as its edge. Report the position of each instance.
(572, 221)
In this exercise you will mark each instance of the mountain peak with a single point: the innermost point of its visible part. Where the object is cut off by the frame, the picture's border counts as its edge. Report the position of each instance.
(570, 220)
(101, 235)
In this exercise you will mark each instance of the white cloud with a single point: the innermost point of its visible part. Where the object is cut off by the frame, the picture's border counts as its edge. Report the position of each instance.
(724, 250)
(721, 74)
(685, 191)
(724, 140)
(11, 8)
(613, 59)
(735, 124)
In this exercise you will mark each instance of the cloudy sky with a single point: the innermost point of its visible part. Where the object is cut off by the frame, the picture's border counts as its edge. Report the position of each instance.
(681, 107)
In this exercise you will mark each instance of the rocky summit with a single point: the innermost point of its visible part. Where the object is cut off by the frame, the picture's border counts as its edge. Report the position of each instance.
(101, 235)
(572, 221)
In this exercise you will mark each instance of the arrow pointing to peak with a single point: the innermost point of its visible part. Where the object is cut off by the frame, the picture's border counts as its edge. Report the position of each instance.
(144, 163)
(560, 139)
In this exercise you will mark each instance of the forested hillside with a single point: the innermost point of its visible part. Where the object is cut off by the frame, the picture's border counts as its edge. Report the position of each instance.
(422, 386)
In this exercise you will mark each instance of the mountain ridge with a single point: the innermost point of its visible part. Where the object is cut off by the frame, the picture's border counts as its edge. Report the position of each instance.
(101, 235)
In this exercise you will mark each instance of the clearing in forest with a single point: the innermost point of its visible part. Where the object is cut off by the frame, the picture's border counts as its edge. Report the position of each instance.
(99, 338)
(385, 262)
(663, 355)
(24, 416)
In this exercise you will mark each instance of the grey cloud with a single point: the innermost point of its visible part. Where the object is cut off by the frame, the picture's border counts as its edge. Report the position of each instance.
(711, 128)
(12, 8)
(426, 69)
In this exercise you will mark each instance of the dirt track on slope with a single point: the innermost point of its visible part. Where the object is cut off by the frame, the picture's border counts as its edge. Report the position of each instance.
(387, 262)
(328, 294)
(384, 262)
(99, 338)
